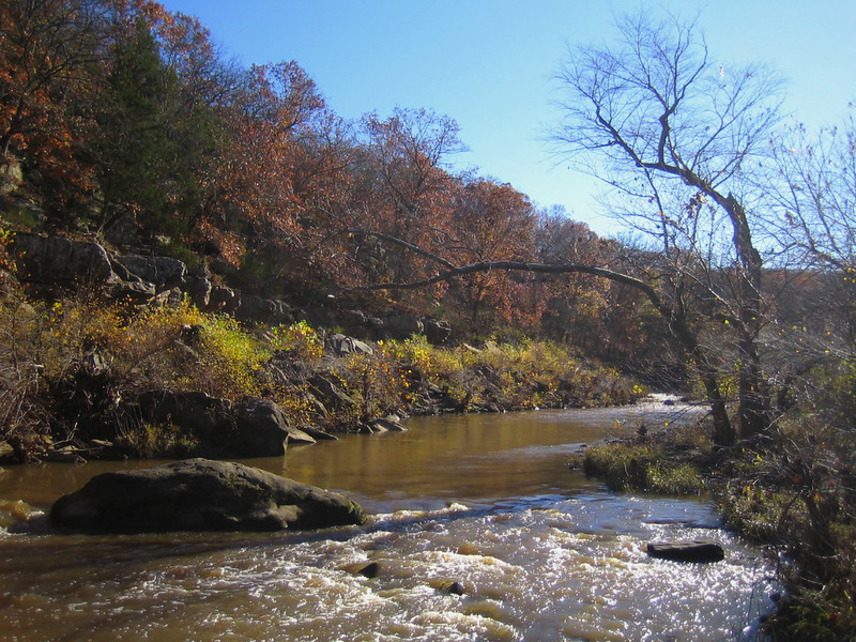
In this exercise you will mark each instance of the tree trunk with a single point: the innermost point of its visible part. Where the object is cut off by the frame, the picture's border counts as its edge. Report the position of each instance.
(754, 406)
(753, 397)
(723, 432)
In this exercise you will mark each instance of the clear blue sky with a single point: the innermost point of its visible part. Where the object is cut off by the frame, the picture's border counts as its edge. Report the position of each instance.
(489, 64)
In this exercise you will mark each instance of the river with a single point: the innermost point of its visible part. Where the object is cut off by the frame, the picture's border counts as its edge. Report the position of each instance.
(487, 501)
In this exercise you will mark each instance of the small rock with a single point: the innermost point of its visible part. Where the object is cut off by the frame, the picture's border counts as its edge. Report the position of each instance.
(298, 436)
(319, 435)
(340, 345)
(448, 586)
(7, 453)
(222, 299)
(437, 332)
(389, 423)
(67, 455)
(366, 569)
(134, 292)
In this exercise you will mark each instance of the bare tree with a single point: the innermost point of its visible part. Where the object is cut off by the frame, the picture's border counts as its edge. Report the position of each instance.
(815, 196)
(813, 191)
(676, 136)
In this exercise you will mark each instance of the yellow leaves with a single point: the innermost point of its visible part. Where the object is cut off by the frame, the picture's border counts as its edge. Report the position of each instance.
(299, 338)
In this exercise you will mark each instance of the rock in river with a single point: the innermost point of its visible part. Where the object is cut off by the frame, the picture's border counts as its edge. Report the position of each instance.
(698, 551)
(200, 495)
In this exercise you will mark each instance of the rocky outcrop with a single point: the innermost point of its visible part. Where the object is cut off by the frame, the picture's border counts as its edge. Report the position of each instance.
(402, 326)
(437, 332)
(331, 395)
(61, 261)
(249, 427)
(261, 424)
(256, 308)
(200, 495)
(699, 551)
(162, 271)
(340, 345)
(398, 326)
(136, 292)
(198, 287)
(222, 299)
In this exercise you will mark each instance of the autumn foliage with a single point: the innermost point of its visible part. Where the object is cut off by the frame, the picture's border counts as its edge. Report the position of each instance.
(124, 116)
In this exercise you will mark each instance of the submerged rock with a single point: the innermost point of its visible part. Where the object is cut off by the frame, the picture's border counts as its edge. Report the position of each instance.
(13, 512)
(452, 587)
(200, 495)
(366, 569)
(698, 551)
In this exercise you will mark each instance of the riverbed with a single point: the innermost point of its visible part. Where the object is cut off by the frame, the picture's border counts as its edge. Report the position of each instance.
(479, 529)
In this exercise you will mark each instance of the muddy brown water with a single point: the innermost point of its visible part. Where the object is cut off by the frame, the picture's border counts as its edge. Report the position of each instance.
(487, 501)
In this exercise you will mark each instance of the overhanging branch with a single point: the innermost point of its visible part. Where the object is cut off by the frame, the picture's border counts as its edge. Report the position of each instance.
(522, 266)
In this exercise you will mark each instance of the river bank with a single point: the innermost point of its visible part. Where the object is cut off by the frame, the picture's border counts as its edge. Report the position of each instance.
(93, 379)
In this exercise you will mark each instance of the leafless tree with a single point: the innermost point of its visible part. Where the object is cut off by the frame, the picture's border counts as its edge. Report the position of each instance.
(677, 136)
(813, 192)
(815, 197)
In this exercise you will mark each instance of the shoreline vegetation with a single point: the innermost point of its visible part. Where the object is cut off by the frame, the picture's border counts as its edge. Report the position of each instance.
(81, 368)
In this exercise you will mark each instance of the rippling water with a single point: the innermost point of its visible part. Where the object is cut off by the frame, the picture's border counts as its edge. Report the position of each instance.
(488, 502)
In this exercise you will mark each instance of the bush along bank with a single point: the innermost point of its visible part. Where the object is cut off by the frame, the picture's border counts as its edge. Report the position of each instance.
(79, 378)
(792, 489)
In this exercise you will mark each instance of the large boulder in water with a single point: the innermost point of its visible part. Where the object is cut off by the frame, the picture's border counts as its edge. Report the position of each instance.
(200, 495)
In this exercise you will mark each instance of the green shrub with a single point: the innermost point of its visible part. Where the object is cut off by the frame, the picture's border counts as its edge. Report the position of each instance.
(642, 468)
(300, 340)
(180, 347)
(148, 440)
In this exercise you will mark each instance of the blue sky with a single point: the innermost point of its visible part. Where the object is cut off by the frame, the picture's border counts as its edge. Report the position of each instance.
(489, 64)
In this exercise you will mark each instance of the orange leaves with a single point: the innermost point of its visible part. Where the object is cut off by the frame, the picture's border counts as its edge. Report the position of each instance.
(254, 178)
(492, 222)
